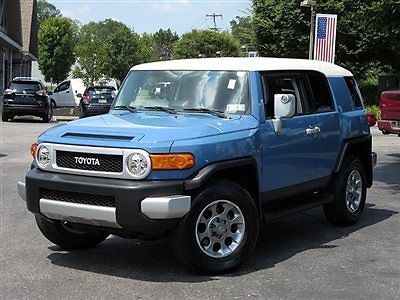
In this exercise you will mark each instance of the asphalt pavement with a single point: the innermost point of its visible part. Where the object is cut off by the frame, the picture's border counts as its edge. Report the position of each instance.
(301, 257)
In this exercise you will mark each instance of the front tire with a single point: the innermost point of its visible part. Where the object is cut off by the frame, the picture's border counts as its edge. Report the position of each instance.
(350, 191)
(221, 230)
(63, 235)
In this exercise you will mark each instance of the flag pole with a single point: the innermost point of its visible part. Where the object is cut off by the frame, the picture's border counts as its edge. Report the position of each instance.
(311, 4)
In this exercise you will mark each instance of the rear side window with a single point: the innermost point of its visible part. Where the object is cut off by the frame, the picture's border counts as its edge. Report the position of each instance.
(20, 86)
(354, 92)
(321, 94)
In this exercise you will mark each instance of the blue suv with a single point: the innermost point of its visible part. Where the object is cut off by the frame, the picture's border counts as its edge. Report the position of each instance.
(202, 151)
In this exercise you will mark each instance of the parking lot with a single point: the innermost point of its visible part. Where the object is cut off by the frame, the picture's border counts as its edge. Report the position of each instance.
(302, 256)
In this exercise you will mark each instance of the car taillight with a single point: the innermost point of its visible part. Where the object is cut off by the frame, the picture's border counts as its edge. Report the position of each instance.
(85, 99)
(371, 119)
(8, 92)
(41, 93)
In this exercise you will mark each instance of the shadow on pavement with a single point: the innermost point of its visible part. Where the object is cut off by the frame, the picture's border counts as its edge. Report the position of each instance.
(389, 173)
(155, 262)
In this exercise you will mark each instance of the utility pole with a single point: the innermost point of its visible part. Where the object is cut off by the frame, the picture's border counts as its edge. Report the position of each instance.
(311, 4)
(214, 16)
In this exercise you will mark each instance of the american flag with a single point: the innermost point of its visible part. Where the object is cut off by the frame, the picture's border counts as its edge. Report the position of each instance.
(325, 38)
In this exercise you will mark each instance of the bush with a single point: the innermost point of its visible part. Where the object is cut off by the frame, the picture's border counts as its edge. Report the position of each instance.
(374, 109)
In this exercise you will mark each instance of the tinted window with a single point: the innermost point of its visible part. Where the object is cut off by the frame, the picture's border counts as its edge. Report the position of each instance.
(24, 86)
(62, 87)
(286, 84)
(100, 91)
(354, 92)
(321, 94)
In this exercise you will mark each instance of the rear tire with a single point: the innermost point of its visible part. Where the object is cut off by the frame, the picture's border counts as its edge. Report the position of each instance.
(385, 132)
(61, 234)
(221, 214)
(49, 114)
(350, 190)
(5, 117)
(81, 113)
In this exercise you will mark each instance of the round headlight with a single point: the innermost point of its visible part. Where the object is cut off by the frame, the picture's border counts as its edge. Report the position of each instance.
(43, 157)
(139, 165)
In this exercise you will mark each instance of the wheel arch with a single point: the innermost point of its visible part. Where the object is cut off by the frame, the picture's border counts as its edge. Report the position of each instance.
(361, 148)
(241, 171)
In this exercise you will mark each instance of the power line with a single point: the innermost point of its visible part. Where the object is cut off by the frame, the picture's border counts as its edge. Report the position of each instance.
(214, 16)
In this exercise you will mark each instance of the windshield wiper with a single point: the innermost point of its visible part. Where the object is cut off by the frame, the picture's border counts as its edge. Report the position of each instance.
(124, 107)
(214, 112)
(161, 108)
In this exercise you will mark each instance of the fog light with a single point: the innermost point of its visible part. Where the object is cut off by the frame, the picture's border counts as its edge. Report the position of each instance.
(43, 157)
(138, 164)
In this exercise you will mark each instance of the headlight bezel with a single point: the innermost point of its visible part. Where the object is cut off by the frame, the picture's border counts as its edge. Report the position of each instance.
(146, 158)
(37, 156)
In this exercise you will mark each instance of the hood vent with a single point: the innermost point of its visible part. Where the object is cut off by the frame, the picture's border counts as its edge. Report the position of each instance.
(99, 137)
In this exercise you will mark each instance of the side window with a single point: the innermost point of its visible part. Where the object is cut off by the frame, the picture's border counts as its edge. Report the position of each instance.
(354, 92)
(62, 87)
(286, 84)
(320, 92)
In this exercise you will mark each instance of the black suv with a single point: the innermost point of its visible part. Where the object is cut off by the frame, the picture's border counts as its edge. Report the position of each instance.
(96, 100)
(26, 96)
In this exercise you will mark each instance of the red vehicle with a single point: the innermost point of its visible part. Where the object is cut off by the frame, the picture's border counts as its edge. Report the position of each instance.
(390, 112)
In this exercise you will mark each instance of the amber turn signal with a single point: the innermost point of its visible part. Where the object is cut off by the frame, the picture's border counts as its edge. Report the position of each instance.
(33, 149)
(172, 161)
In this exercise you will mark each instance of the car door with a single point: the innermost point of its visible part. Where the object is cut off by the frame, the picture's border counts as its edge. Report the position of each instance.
(290, 158)
(329, 138)
(61, 93)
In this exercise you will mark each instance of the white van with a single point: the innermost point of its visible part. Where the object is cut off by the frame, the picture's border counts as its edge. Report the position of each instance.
(68, 93)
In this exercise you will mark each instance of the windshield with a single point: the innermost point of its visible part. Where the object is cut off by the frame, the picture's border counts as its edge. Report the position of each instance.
(225, 91)
(20, 87)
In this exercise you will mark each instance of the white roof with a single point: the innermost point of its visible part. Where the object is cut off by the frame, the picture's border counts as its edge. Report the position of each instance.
(245, 64)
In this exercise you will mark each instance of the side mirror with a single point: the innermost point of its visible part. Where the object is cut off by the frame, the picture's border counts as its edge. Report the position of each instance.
(79, 95)
(49, 93)
(285, 107)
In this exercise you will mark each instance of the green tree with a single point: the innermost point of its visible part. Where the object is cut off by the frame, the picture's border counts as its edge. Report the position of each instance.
(106, 49)
(46, 10)
(165, 41)
(147, 48)
(57, 38)
(206, 43)
(242, 29)
(89, 54)
(365, 33)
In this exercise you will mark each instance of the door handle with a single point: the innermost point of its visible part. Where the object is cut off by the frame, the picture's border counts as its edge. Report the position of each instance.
(67, 92)
(313, 130)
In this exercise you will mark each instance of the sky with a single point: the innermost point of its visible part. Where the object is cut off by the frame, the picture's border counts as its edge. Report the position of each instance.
(149, 16)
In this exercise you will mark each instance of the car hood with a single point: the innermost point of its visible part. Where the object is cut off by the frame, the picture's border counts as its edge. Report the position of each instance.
(147, 130)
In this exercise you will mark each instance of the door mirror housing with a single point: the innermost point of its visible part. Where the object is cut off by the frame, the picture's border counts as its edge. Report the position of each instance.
(285, 105)
(49, 93)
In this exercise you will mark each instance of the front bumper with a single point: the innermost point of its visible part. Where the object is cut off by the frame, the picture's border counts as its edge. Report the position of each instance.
(141, 207)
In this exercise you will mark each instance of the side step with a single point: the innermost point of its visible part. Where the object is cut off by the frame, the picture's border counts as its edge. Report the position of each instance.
(287, 207)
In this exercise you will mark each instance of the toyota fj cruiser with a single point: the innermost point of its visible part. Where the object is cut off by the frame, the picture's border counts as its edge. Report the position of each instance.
(232, 143)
